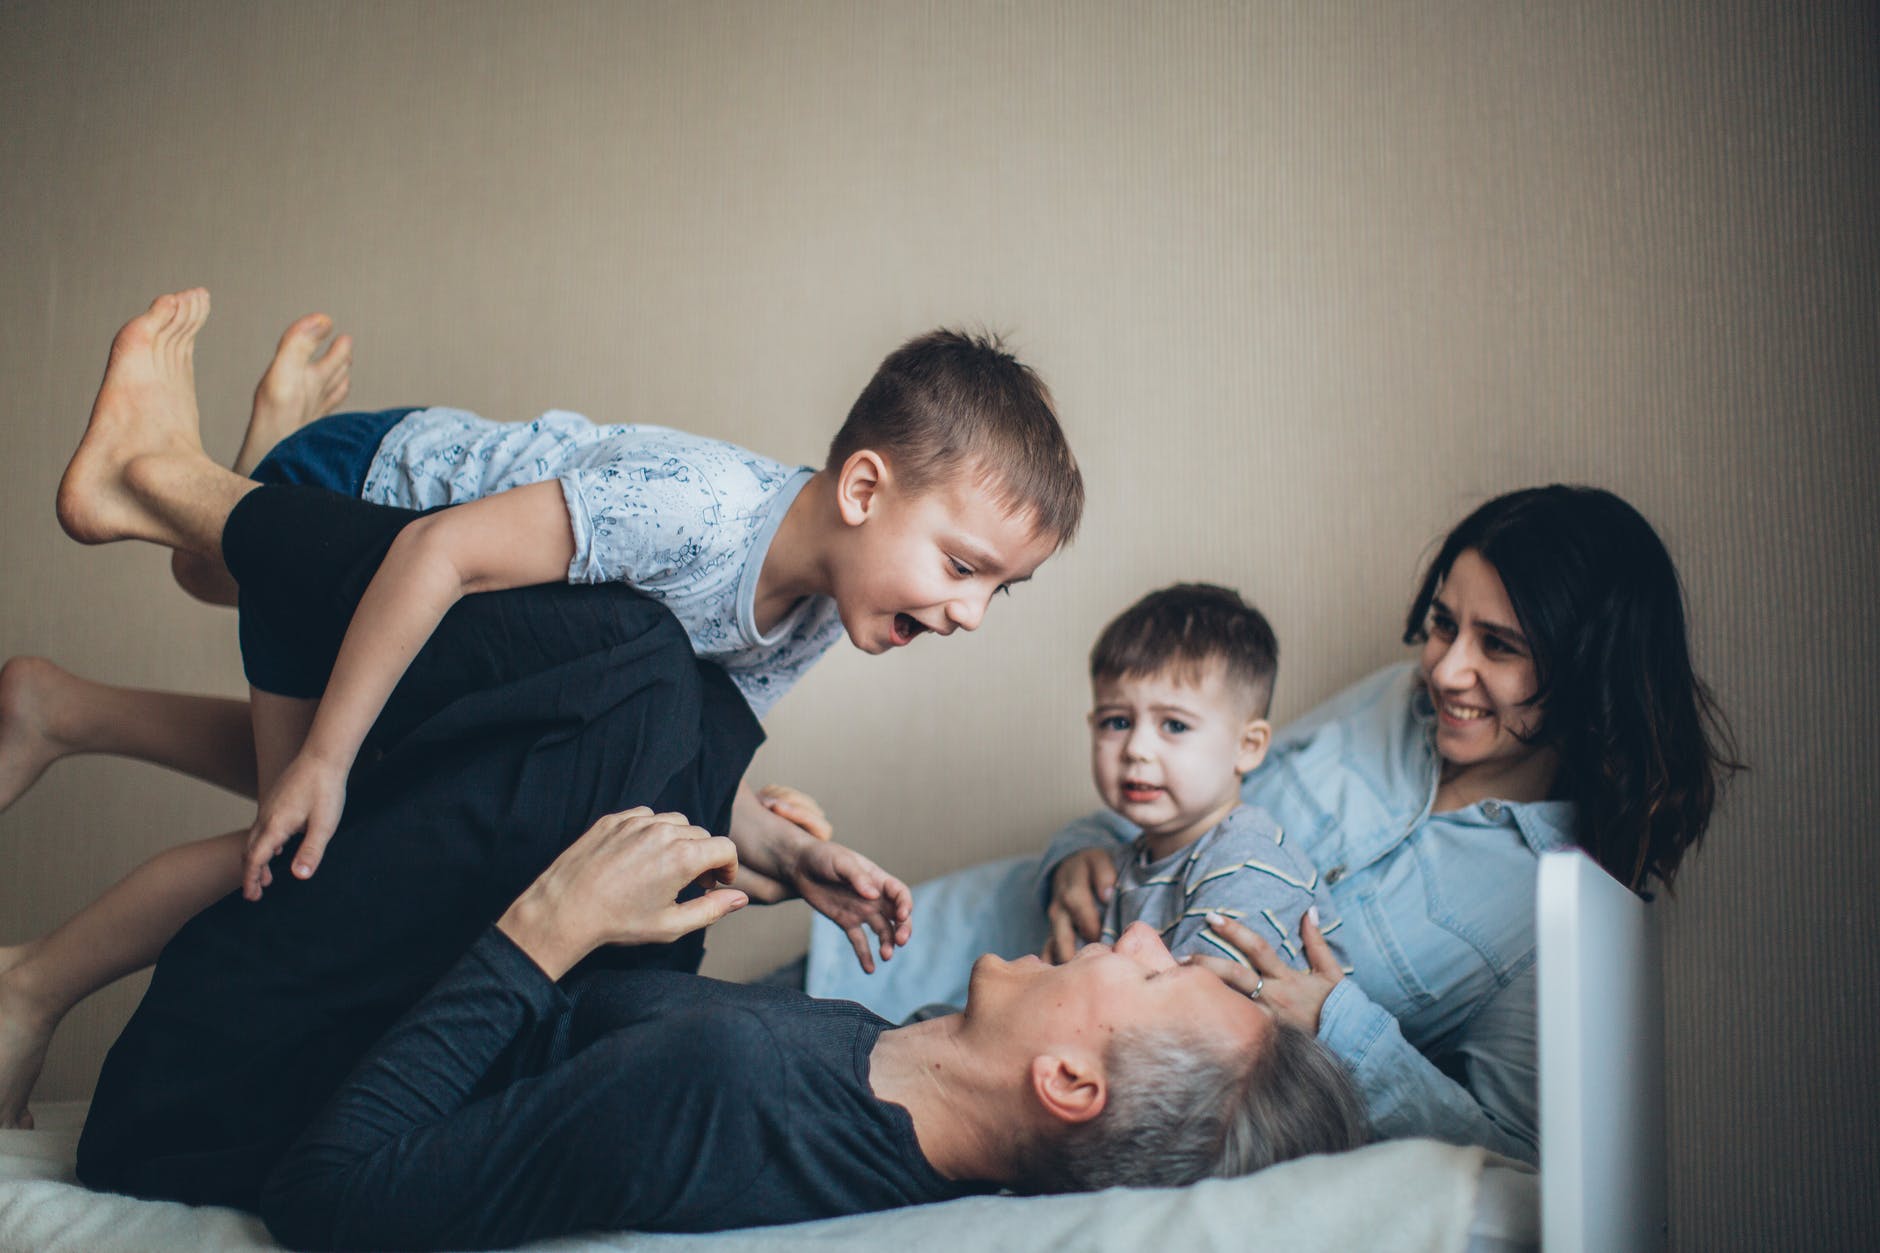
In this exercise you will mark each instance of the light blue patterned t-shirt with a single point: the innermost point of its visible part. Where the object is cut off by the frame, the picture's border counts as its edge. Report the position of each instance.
(685, 519)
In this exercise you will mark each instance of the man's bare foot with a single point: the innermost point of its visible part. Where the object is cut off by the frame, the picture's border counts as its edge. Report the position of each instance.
(25, 1031)
(27, 742)
(302, 383)
(146, 406)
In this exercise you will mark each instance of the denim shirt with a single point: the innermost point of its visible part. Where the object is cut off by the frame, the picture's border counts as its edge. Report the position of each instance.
(1437, 1020)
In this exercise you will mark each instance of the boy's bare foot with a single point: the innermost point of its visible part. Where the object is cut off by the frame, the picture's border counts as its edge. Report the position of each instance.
(25, 1031)
(302, 383)
(27, 742)
(146, 406)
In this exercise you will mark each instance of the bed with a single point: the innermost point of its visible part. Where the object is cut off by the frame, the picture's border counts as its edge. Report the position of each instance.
(1601, 1135)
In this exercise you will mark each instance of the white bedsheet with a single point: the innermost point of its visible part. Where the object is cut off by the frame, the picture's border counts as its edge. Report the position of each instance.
(1405, 1195)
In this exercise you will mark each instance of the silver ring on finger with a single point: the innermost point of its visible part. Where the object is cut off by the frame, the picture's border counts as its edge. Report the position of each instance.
(1259, 985)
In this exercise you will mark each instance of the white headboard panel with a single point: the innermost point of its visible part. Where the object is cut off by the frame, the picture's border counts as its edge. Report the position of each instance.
(1602, 1060)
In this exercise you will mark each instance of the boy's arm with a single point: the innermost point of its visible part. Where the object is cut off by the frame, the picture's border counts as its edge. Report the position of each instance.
(837, 882)
(512, 539)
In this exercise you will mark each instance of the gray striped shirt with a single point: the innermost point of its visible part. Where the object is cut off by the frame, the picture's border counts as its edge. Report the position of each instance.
(1241, 868)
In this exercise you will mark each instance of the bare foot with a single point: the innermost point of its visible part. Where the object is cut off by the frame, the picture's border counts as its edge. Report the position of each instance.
(146, 406)
(27, 743)
(302, 383)
(25, 1031)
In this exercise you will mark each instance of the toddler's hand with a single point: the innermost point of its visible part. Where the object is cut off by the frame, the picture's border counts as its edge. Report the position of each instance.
(857, 895)
(309, 796)
(796, 807)
(1080, 888)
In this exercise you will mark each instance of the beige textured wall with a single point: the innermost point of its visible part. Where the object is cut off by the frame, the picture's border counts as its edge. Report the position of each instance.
(1309, 280)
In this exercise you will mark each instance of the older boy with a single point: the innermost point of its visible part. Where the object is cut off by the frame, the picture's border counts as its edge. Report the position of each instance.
(1181, 683)
(949, 481)
(952, 452)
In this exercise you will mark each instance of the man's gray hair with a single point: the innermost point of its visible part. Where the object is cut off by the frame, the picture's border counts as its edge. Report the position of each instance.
(1179, 1111)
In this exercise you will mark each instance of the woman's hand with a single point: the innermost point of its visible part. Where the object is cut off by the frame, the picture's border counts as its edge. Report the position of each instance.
(1295, 996)
(309, 796)
(1080, 888)
(796, 807)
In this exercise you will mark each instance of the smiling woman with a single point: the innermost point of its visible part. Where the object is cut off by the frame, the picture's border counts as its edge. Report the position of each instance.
(1479, 669)
(1553, 633)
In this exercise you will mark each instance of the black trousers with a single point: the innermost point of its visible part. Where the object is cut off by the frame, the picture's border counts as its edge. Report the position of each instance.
(528, 715)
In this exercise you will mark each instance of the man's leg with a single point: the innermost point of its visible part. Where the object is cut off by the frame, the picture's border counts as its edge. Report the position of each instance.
(48, 713)
(125, 929)
(140, 471)
(527, 716)
(121, 932)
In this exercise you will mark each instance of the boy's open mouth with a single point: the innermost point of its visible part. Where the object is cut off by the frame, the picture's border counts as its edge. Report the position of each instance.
(906, 627)
(1140, 792)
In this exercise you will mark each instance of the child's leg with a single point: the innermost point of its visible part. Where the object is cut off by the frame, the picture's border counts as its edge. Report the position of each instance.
(301, 383)
(140, 471)
(47, 713)
(121, 932)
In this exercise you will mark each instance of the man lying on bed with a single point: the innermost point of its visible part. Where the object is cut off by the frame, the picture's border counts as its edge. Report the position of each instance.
(508, 1106)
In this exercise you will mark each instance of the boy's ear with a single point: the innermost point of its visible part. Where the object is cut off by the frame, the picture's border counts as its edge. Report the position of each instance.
(859, 484)
(1254, 738)
(1069, 1089)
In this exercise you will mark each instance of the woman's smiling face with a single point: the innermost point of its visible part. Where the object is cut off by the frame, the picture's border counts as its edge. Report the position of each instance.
(1479, 669)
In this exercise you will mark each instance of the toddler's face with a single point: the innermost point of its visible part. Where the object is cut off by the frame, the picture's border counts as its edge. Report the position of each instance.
(1167, 751)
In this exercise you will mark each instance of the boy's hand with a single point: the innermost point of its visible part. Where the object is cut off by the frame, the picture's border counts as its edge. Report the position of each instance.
(309, 796)
(766, 826)
(1080, 889)
(854, 893)
(618, 884)
(796, 807)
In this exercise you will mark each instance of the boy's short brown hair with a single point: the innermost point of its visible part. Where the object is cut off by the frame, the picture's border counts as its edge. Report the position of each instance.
(946, 400)
(1186, 628)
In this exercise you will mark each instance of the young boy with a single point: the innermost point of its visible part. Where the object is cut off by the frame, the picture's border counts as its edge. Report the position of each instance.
(949, 481)
(1181, 684)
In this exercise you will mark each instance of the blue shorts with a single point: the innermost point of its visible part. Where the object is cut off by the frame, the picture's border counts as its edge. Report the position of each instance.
(333, 452)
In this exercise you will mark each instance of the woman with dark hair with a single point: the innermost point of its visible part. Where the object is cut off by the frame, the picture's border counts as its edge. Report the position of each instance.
(1636, 739)
(1551, 704)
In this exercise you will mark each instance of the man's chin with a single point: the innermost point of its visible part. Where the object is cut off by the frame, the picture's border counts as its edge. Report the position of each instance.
(986, 966)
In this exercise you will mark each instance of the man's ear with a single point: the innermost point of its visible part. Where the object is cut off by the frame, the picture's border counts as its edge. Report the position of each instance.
(1069, 1089)
(1254, 738)
(859, 484)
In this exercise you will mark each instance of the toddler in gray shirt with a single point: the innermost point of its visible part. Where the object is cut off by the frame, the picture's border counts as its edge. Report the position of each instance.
(1181, 684)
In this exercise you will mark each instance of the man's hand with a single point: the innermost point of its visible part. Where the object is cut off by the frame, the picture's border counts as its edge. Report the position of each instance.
(858, 896)
(309, 796)
(618, 884)
(1080, 889)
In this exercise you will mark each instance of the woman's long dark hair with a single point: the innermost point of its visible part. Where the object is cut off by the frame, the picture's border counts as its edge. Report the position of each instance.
(1643, 748)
